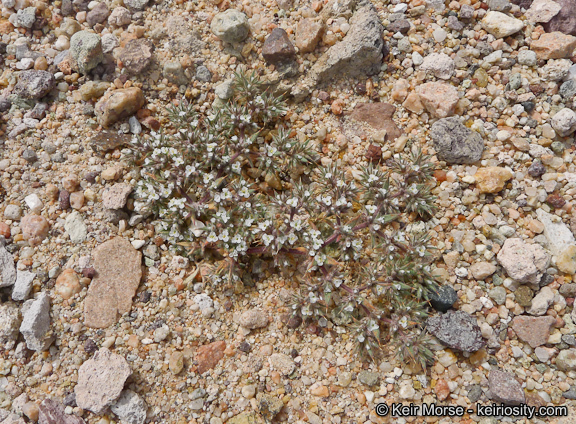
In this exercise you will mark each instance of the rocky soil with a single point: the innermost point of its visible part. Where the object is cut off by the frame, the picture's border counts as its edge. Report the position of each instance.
(101, 323)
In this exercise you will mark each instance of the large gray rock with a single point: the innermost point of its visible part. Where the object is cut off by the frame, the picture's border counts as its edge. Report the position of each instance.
(358, 54)
(86, 50)
(101, 380)
(458, 330)
(34, 84)
(504, 388)
(23, 285)
(130, 408)
(455, 143)
(230, 26)
(35, 325)
(7, 268)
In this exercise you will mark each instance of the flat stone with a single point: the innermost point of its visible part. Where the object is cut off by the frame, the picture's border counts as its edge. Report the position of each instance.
(523, 262)
(500, 25)
(308, 34)
(253, 319)
(533, 330)
(492, 179)
(378, 116)
(209, 355)
(554, 45)
(106, 141)
(504, 388)
(136, 55)
(7, 268)
(439, 64)
(51, 412)
(542, 11)
(542, 301)
(557, 233)
(118, 273)
(438, 98)
(230, 26)
(101, 380)
(282, 363)
(115, 197)
(35, 325)
(118, 104)
(456, 329)
(482, 270)
(130, 408)
(277, 48)
(368, 378)
(34, 84)
(76, 228)
(23, 285)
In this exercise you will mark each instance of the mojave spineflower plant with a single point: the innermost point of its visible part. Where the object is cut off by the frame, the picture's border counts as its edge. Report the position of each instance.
(235, 185)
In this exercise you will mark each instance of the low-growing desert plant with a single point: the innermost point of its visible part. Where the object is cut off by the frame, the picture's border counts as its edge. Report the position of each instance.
(235, 186)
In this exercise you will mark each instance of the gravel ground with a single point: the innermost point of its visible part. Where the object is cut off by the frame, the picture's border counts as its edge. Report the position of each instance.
(78, 78)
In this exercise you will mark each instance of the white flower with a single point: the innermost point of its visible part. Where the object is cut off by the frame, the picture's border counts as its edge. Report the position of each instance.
(224, 236)
(372, 178)
(360, 338)
(337, 282)
(357, 244)
(248, 222)
(372, 326)
(263, 225)
(341, 202)
(296, 224)
(292, 238)
(327, 200)
(237, 239)
(267, 239)
(340, 183)
(292, 202)
(212, 238)
(349, 308)
(236, 167)
(371, 209)
(403, 322)
(244, 192)
(320, 259)
(189, 170)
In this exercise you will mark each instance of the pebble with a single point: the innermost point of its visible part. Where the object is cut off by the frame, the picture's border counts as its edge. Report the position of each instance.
(523, 262)
(566, 360)
(456, 329)
(504, 388)
(533, 330)
(209, 355)
(308, 34)
(136, 55)
(482, 270)
(76, 228)
(500, 25)
(277, 48)
(115, 197)
(130, 408)
(253, 319)
(34, 84)
(22, 285)
(230, 26)
(438, 98)
(564, 122)
(9, 324)
(35, 325)
(67, 284)
(118, 104)
(541, 302)
(34, 228)
(8, 273)
(282, 363)
(101, 380)
(86, 50)
(492, 179)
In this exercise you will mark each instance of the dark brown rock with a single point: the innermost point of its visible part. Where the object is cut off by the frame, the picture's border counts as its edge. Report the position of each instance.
(106, 141)
(278, 48)
(556, 200)
(565, 20)
(51, 412)
(378, 116)
(136, 56)
(401, 25)
(374, 153)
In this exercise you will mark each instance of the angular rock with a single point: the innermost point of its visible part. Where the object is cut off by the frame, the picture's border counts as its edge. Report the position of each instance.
(23, 285)
(439, 99)
(9, 324)
(75, 227)
(308, 34)
(378, 116)
(566, 360)
(130, 408)
(34, 84)
(136, 55)
(439, 64)
(118, 104)
(557, 233)
(541, 302)
(35, 325)
(26, 17)
(523, 296)
(500, 25)
(118, 268)
(523, 262)
(209, 355)
(554, 45)
(564, 122)
(101, 380)
(86, 51)
(106, 141)
(458, 330)
(119, 17)
(97, 15)
(368, 378)
(443, 299)
(253, 319)
(136, 4)
(482, 270)
(7, 268)
(51, 412)
(505, 388)
(277, 48)
(492, 179)
(230, 26)
(115, 197)
(270, 406)
(566, 260)
(533, 330)
(565, 20)
(455, 143)
(542, 11)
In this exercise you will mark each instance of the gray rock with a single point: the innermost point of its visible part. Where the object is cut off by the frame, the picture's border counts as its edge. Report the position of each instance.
(203, 74)
(455, 143)
(568, 290)
(498, 294)
(101, 380)
(203, 301)
(224, 90)
(23, 285)
(35, 325)
(151, 251)
(541, 302)
(527, 58)
(136, 4)
(458, 330)
(75, 227)
(7, 268)
(25, 18)
(13, 212)
(568, 89)
(34, 84)
(504, 388)
(135, 126)
(500, 5)
(230, 26)
(474, 393)
(9, 323)
(368, 378)
(51, 412)
(115, 197)
(570, 394)
(130, 408)
(174, 73)
(109, 43)
(98, 14)
(86, 50)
